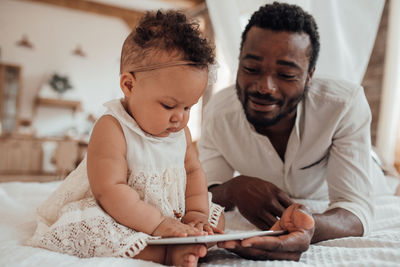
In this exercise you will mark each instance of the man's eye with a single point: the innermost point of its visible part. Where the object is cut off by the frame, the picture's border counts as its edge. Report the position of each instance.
(287, 76)
(166, 106)
(250, 70)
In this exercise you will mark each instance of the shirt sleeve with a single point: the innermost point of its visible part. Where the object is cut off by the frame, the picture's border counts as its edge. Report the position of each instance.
(349, 165)
(216, 168)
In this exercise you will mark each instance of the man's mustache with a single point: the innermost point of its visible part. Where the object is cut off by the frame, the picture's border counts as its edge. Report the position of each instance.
(265, 97)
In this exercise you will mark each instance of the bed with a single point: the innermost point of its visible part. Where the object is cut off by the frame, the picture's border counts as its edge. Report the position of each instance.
(19, 201)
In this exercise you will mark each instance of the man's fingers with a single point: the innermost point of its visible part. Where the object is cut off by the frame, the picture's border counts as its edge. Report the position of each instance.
(276, 226)
(275, 208)
(259, 222)
(264, 243)
(267, 218)
(292, 242)
(284, 199)
(231, 244)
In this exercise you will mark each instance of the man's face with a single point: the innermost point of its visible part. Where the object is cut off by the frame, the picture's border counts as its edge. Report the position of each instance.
(272, 75)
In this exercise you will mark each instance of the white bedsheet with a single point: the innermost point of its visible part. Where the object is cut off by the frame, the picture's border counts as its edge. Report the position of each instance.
(19, 200)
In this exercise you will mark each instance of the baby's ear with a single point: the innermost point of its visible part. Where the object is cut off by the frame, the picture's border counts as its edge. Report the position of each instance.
(127, 82)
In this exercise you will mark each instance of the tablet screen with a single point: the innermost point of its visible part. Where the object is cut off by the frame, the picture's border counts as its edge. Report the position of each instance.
(212, 238)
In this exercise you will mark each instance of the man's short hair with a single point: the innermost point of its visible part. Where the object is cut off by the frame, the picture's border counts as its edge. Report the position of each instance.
(171, 32)
(286, 17)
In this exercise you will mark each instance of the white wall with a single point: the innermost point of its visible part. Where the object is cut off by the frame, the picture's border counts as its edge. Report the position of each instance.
(55, 32)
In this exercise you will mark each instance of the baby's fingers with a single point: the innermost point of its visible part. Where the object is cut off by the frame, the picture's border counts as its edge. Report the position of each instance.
(217, 230)
(192, 230)
(201, 228)
(208, 229)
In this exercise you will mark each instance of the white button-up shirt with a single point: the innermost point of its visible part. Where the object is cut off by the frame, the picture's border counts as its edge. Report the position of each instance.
(327, 156)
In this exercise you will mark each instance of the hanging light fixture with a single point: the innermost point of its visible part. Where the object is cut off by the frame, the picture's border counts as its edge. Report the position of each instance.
(78, 51)
(24, 42)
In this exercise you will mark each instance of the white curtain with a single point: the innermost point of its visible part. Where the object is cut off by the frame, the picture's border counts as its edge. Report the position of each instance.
(348, 30)
(389, 115)
(225, 17)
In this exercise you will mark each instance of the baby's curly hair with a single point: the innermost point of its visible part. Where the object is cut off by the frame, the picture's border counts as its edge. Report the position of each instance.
(171, 32)
(286, 17)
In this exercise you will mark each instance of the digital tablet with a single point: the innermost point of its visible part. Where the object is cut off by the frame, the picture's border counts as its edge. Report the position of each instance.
(212, 238)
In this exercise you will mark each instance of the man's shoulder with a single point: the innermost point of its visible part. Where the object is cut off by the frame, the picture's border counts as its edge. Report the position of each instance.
(333, 89)
(222, 103)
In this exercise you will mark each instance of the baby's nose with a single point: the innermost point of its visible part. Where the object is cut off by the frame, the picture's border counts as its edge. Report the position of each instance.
(177, 116)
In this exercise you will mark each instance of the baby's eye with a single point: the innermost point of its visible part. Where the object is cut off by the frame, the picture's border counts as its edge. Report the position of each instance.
(187, 108)
(167, 106)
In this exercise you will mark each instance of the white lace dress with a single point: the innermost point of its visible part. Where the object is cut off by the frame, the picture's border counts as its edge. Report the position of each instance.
(72, 222)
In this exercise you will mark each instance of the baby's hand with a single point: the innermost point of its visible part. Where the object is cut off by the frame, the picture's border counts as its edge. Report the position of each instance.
(171, 227)
(200, 221)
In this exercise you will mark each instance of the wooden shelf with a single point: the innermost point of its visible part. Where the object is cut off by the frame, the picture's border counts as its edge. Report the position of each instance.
(75, 105)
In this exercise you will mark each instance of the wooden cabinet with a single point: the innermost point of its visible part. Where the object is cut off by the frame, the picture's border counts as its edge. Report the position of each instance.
(20, 155)
(22, 158)
(10, 91)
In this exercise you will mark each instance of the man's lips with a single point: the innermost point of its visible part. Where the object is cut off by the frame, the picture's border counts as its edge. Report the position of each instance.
(263, 105)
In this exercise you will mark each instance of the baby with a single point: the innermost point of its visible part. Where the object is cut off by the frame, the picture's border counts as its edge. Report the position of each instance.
(141, 177)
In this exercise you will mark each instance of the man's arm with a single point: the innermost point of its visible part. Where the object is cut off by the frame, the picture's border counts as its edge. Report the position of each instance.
(336, 223)
(331, 224)
(348, 175)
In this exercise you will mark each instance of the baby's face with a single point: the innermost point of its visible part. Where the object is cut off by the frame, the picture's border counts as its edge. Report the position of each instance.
(161, 99)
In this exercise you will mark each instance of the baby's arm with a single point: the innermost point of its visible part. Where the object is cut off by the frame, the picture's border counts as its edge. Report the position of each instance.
(107, 171)
(196, 195)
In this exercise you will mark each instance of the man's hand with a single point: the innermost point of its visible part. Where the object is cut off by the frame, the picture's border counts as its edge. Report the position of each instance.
(300, 226)
(259, 201)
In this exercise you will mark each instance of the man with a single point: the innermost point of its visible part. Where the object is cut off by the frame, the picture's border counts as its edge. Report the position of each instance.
(289, 136)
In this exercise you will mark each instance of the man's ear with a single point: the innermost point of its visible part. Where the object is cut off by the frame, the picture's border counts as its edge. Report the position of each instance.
(127, 83)
(310, 75)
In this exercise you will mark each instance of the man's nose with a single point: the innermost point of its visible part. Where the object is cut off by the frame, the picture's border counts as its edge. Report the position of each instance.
(266, 84)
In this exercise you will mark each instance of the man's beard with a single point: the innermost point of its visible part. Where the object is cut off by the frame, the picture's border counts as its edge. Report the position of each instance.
(263, 122)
